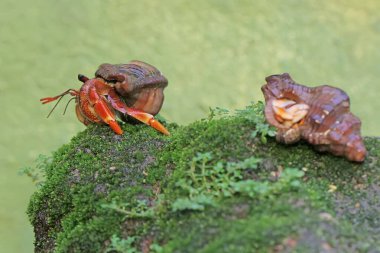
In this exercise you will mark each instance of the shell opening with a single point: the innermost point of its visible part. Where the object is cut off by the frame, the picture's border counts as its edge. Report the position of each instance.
(288, 113)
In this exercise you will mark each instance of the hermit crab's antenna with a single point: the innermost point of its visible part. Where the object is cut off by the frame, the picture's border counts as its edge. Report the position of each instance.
(46, 100)
(71, 99)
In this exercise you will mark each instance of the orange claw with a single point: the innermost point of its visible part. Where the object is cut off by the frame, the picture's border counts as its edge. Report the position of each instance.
(102, 109)
(107, 116)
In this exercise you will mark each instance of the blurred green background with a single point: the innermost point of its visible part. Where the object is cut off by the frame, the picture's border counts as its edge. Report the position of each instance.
(214, 53)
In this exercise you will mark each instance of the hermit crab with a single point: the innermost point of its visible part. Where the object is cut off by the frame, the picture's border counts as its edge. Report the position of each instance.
(134, 89)
(319, 115)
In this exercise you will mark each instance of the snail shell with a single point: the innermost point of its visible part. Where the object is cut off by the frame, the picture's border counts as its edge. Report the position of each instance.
(322, 116)
(140, 84)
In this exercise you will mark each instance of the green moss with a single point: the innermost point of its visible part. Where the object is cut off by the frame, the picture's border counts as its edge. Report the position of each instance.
(69, 212)
(94, 168)
(240, 225)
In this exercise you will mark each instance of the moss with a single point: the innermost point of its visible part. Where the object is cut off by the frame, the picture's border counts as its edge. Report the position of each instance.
(98, 168)
(240, 225)
(94, 168)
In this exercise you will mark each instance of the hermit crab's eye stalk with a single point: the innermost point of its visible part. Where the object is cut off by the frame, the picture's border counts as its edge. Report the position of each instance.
(82, 78)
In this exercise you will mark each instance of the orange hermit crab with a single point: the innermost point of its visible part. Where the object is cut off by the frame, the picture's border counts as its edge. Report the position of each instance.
(134, 89)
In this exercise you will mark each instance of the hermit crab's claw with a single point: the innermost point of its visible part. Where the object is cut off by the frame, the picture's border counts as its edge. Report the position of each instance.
(144, 117)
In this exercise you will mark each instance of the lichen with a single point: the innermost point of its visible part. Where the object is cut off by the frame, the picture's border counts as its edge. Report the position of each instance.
(334, 207)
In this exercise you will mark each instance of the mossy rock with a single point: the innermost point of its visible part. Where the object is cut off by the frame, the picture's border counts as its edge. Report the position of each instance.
(91, 198)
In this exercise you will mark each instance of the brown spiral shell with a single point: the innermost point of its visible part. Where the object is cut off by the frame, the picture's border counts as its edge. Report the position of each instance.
(328, 125)
(140, 84)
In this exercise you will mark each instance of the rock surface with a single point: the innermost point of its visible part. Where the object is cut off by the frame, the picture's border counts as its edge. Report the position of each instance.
(212, 186)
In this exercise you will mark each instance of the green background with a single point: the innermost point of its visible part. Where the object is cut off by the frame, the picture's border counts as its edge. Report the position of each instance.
(214, 53)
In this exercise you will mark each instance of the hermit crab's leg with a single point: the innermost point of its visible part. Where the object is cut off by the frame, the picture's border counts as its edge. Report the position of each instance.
(101, 108)
(279, 108)
(287, 112)
(144, 117)
(299, 111)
